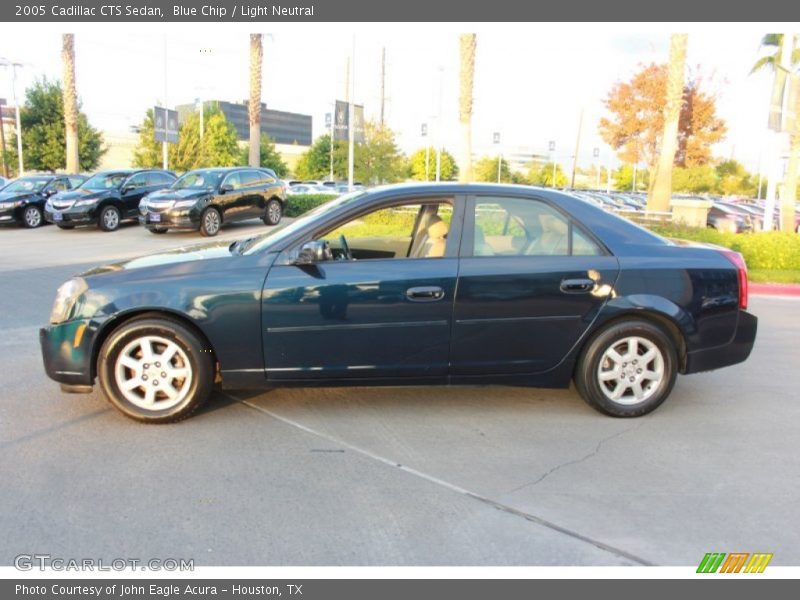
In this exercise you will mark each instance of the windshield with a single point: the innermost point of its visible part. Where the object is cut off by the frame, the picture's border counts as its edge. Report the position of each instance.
(198, 180)
(26, 185)
(258, 243)
(105, 181)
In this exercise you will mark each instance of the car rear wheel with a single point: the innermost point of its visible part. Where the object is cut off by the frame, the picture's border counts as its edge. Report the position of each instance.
(109, 218)
(628, 369)
(274, 212)
(32, 217)
(155, 370)
(210, 222)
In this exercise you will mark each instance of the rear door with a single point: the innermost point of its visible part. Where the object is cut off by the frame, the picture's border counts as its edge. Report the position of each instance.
(531, 281)
(252, 201)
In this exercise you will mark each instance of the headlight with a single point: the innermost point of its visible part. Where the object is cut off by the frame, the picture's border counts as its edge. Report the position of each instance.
(184, 203)
(85, 202)
(66, 296)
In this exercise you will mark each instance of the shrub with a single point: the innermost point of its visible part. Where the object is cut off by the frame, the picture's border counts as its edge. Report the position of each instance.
(773, 250)
(301, 203)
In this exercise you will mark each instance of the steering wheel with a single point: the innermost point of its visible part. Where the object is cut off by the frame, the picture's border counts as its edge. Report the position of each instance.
(346, 254)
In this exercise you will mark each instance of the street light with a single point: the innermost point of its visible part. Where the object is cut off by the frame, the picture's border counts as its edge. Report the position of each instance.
(551, 146)
(596, 155)
(424, 133)
(496, 141)
(329, 125)
(4, 62)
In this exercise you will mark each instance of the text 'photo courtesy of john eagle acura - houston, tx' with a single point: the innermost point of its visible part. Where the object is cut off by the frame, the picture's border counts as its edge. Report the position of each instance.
(405, 284)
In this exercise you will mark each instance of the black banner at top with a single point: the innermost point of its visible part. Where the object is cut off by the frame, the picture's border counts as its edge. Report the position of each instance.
(782, 11)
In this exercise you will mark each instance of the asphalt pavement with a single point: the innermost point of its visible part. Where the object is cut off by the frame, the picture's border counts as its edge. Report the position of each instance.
(388, 476)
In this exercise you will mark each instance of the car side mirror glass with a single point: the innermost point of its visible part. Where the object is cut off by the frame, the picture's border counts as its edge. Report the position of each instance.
(127, 188)
(314, 252)
(225, 187)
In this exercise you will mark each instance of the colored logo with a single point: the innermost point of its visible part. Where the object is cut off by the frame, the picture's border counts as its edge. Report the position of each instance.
(735, 562)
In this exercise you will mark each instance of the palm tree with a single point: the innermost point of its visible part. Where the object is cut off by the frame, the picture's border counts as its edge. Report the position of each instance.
(661, 181)
(70, 102)
(468, 43)
(254, 105)
(772, 61)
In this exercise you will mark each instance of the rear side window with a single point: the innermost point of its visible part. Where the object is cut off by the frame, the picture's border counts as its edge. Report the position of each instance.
(523, 227)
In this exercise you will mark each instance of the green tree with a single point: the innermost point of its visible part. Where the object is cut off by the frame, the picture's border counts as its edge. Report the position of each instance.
(315, 163)
(44, 132)
(542, 174)
(622, 179)
(448, 170)
(485, 169)
(699, 179)
(378, 159)
(734, 180)
(270, 157)
(217, 148)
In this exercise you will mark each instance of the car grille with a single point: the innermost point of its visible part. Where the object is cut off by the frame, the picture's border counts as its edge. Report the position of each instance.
(158, 206)
(63, 204)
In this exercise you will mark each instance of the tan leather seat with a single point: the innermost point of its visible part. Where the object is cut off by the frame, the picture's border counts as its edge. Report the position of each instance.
(435, 241)
(554, 240)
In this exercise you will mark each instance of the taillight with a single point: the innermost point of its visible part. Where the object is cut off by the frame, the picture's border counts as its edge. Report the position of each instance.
(741, 270)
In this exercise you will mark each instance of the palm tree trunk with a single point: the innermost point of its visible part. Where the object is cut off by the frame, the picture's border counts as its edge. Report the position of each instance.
(468, 43)
(661, 179)
(70, 102)
(254, 104)
(789, 195)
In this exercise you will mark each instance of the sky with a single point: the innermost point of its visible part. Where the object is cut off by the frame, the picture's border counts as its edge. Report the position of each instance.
(531, 80)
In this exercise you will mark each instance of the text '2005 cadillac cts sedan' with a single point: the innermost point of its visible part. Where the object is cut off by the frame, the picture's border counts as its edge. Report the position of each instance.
(410, 284)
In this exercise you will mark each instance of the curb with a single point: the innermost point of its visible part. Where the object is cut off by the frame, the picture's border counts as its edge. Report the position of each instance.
(775, 289)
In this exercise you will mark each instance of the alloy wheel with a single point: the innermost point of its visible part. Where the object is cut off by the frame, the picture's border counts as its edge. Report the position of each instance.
(631, 370)
(33, 217)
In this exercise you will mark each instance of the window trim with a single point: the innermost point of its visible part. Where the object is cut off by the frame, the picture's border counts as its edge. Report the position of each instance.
(467, 247)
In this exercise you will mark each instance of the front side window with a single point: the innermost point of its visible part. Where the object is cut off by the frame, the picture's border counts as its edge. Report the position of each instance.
(105, 181)
(414, 230)
(524, 227)
(234, 180)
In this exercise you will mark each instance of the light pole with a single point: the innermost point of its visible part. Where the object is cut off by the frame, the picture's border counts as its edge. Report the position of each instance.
(496, 141)
(351, 122)
(198, 104)
(329, 125)
(439, 130)
(551, 146)
(424, 132)
(596, 155)
(14, 66)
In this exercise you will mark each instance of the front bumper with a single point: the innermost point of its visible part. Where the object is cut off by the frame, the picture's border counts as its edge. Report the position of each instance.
(10, 213)
(81, 215)
(732, 353)
(173, 218)
(67, 351)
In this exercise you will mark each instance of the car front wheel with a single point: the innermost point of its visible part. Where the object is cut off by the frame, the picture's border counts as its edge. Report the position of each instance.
(628, 369)
(210, 222)
(109, 218)
(274, 212)
(32, 217)
(155, 370)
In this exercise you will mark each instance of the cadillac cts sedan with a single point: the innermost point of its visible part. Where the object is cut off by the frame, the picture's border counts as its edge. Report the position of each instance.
(411, 284)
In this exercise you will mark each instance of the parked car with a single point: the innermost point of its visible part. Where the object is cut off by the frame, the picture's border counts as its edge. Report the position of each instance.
(106, 198)
(22, 201)
(305, 188)
(724, 217)
(206, 199)
(3, 182)
(409, 284)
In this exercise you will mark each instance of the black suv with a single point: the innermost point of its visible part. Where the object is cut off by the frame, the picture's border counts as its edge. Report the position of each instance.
(22, 201)
(106, 198)
(206, 198)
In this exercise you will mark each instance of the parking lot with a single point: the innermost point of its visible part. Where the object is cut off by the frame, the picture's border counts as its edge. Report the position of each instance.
(388, 476)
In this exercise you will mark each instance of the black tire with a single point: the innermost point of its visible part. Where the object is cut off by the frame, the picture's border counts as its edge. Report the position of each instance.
(109, 218)
(32, 217)
(210, 222)
(61, 226)
(196, 353)
(273, 212)
(654, 391)
(165, 230)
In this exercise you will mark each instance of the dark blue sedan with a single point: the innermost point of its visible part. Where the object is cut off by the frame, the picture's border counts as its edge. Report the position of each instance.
(412, 284)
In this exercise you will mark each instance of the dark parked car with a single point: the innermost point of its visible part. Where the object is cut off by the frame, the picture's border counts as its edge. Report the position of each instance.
(732, 219)
(410, 284)
(208, 198)
(22, 201)
(106, 198)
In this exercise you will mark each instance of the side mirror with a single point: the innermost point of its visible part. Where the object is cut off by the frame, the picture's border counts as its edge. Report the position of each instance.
(314, 252)
(225, 187)
(128, 188)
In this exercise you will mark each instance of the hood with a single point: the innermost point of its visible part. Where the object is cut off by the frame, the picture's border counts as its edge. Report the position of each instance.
(7, 196)
(187, 254)
(81, 194)
(169, 194)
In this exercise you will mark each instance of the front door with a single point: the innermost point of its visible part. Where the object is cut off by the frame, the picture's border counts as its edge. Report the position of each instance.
(134, 190)
(382, 309)
(531, 282)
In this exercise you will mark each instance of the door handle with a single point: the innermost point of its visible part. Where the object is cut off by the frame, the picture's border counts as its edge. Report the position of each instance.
(577, 286)
(425, 293)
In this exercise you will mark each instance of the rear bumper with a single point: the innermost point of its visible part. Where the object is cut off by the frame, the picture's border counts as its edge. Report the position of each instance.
(730, 354)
